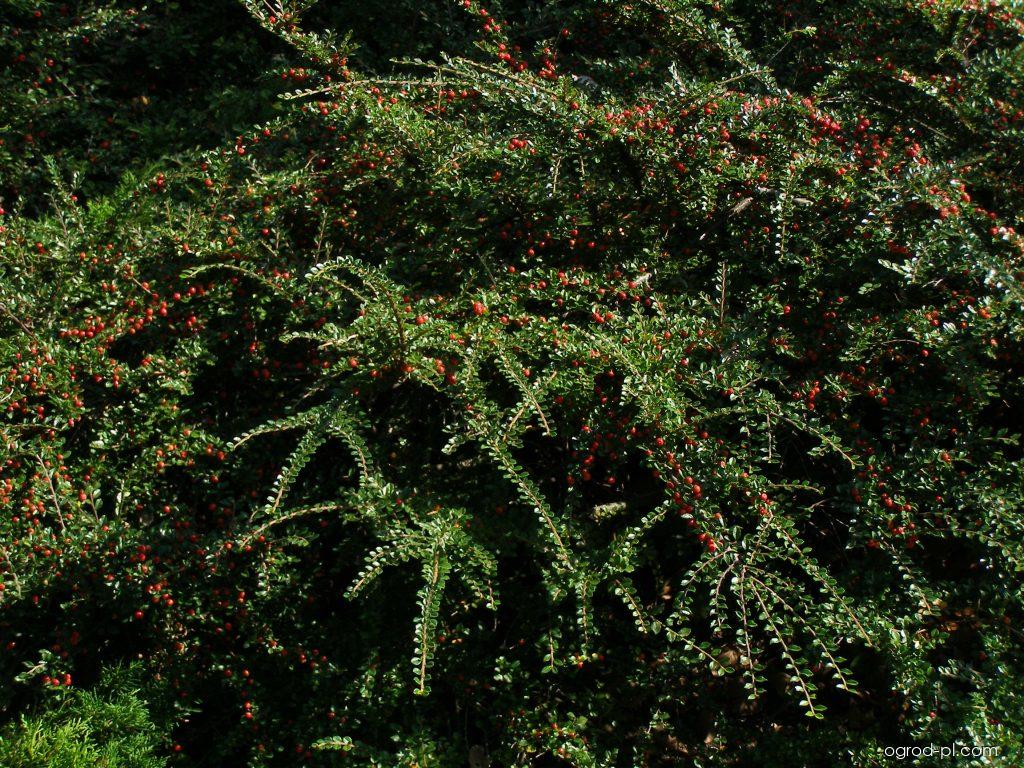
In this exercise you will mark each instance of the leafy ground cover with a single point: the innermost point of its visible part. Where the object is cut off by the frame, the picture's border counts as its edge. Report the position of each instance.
(579, 383)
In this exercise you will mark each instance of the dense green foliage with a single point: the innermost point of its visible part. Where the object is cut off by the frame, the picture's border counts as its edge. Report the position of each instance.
(108, 726)
(579, 383)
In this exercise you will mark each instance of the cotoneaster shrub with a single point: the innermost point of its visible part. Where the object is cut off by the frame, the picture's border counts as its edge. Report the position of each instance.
(579, 383)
